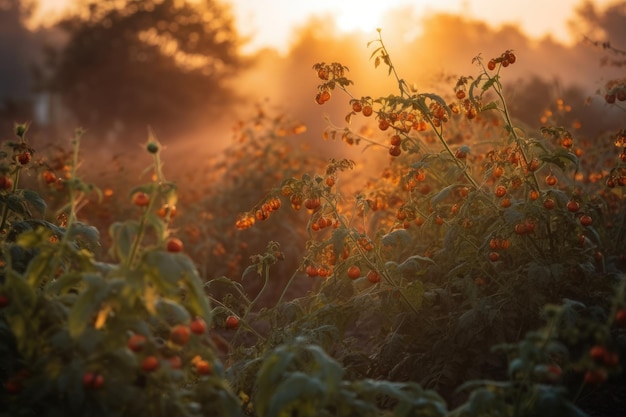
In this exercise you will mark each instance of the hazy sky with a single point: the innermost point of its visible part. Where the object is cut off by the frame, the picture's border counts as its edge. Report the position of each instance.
(270, 22)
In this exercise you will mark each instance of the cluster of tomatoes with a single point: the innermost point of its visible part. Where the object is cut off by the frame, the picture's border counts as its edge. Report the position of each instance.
(180, 335)
(603, 361)
(373, 276)
(505, 59)
(247, 220)
(166, 212)
(617, 176)
(615, 90)
(332, 74)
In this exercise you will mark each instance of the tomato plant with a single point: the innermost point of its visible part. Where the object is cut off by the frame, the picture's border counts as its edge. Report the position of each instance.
(476, 271)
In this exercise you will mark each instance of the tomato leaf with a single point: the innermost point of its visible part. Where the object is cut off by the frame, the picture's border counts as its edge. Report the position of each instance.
(86, 304)
(35, 200)
(123, 236)
(398, 237)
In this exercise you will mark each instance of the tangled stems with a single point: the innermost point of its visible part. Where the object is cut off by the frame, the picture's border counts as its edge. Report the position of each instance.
(504, 110)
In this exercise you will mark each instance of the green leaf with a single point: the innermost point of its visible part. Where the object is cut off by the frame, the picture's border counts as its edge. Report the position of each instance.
(172, 311)
(123, 236)
(413, 264)
(443, 194)
(39, 268)
(16, 203)
(273, 368)
(195, 298)
(35, 200)
(398, 237)
(414, 292)
(489, 106)
(297, 392)
(86, 304)
(166, 270)
(560, 158)
(84, 233)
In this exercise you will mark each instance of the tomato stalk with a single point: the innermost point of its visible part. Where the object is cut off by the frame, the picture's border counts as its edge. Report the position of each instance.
(5, 207)
(504, 110)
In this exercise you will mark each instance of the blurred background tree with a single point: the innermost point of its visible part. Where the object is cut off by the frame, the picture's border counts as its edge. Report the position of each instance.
(18, 48)
(132, 63)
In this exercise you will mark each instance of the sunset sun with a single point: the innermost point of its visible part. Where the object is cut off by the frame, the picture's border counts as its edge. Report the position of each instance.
(351, 16)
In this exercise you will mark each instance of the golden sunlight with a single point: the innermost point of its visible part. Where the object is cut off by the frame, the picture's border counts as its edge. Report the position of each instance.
(271, 23)
(351, 15)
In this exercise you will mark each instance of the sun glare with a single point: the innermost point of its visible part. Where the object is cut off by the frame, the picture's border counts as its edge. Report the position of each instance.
(351, 16)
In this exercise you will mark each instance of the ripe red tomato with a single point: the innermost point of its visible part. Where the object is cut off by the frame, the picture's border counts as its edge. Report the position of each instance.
(4, 300)
(494, 256)
(311, 270)
(620, 317)
(551, 180)
(175, 362)
(611, 359)
(5, 183)
(137, 342)
(460, 154)
(93, 380)
(49, 177)
(203, 367)
(312, 203)
(500, 191)
(395, 150)
(166, 211)
(595, 376)
(533, 165)
(598, 353)
(460, 94)
(367, 111)
(554, 373)
(323, 272)
(497, 172)
(150, 363)
(232, 322)
(520, 228)
(174, 245)
(198, 326)
(395, 140)
(141, 199)
(13, 386)
(24, 157)
(491, 65)
(573, 206)
(180, 334)
(357, 107)
(586, 220)
(373, 277)
(533, 195)
(548, 203)
(354, 272)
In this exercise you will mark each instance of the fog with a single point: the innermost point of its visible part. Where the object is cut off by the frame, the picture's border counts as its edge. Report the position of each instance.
(430, 52)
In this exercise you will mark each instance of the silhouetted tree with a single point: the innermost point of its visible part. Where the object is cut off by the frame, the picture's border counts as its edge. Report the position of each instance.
(145, 62)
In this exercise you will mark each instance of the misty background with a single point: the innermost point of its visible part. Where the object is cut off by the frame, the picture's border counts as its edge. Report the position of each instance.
(178, 68)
